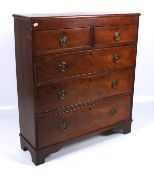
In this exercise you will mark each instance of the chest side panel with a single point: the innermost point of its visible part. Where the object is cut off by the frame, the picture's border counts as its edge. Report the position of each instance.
(25, 83)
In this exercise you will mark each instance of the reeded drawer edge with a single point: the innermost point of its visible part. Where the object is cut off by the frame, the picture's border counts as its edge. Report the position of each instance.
(56, 129)
(79, 106)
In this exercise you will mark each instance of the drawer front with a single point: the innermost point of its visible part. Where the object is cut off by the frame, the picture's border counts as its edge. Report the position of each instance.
(115, 34)
(67, 92)
(57, 66)
(46, 42)
(59, 128)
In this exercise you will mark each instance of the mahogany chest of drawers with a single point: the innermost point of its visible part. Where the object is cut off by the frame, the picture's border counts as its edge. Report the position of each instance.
(75, 77)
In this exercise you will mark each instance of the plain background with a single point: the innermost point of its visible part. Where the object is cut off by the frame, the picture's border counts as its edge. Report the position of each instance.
(115, 154)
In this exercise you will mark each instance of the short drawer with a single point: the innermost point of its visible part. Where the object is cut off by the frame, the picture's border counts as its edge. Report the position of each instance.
(59, 128)
(67, 92)
(48, 68)
(50, 41)
(108, 35)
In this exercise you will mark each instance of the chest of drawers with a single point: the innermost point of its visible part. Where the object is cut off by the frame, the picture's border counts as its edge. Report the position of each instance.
(75, 77)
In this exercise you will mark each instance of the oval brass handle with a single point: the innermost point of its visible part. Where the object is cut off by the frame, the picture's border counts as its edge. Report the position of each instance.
(114, 84)
(63, 66)
(116, 36)
(62, 94)
(63, 41)
(63, 126)
(113, 111)
(116, 58)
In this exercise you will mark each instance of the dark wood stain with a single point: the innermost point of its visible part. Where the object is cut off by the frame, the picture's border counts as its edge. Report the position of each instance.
(86, 89)
(86, 120)
(48, 41)
(104, 35)
(96, 92)
(25, 79)
(84, 62)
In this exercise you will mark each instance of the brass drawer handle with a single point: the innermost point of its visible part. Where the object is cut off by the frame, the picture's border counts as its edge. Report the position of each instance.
(116, 58)
(114, 84)
(113, 111)
(63, 126)
(62, 94)
(116, 36)
(63, 66)
(64, 41)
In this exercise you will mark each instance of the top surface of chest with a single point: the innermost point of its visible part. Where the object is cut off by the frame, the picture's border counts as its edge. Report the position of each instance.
(48, 22)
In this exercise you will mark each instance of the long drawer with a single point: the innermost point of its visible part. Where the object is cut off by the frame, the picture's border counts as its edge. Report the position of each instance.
(55, 129)
(63, 93)
(51, 67)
